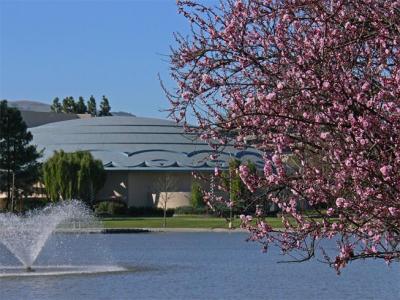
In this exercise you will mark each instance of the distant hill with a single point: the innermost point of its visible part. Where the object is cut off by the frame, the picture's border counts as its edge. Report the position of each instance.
(29, 105)
(122, 114)
(37, 118)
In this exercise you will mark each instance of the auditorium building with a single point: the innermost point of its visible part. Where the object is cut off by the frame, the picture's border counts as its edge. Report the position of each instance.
(139, 154)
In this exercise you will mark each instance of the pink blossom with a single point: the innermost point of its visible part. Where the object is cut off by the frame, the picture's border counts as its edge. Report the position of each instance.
(186, 96)
(340, 202)
(270, 96)
(326, 85)
(291, 92)
(365, 86)
(244, 171)
(277, 160)
(393, 211)
(268, 168)
(207, 79)
(324, 135)
(385, 170)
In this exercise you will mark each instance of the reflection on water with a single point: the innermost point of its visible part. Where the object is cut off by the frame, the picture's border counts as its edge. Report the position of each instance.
(195, 266)
(61, 270)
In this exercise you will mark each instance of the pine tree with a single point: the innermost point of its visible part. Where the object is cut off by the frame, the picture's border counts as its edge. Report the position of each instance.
(18, 158)
(91, 106)
(56, 106)
(80, 106)
(105, 107)
(69, 105)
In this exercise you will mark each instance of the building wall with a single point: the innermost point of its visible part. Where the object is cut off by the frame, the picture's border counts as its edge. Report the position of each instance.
(2, 202)
(150, 189)
(115, 187)
(144, 189)
(147, 189)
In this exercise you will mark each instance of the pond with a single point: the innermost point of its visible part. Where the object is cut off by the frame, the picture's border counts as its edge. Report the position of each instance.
(192, 266)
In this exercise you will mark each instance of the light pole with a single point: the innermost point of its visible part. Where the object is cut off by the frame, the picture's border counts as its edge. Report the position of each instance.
(230, 192)
(12, 188)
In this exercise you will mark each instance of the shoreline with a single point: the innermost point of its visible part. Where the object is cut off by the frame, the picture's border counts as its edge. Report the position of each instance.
(146, 230)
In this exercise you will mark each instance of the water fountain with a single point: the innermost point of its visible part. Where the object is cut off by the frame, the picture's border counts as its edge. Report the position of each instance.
(25, 236)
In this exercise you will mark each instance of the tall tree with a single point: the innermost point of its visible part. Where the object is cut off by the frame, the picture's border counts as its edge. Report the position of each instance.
(56, 106)
(165, 187)
(19, 167)
(105, 107)
(315, 86)
(81, 106)
(196, 195)
(238, 192)
(69, 105)
(74, 175)
(92, 106)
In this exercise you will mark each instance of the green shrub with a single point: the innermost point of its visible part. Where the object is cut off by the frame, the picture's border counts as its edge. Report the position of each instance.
(34, 203)
(149, 212)
(117, 208)
(189, 210)
(111, 208)
(101, 208)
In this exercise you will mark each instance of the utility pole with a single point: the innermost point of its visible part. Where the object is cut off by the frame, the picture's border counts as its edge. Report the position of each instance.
(12, 188)
(12, 191)
(230, 193)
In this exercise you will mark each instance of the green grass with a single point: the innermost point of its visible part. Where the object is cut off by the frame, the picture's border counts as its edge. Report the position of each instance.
(177, 222)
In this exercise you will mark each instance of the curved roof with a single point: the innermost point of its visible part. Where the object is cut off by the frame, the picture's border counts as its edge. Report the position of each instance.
(133, 143)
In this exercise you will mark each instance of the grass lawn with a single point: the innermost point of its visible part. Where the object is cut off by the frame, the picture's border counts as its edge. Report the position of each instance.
(177, 222)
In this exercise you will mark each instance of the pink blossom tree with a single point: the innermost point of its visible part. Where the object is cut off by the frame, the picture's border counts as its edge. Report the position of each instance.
(315, 86)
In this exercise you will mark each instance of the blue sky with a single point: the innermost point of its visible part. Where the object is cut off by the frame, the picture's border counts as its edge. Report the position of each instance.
(78, 48)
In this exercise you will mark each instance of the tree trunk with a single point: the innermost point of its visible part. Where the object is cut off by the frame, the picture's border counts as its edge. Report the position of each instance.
(165, 214)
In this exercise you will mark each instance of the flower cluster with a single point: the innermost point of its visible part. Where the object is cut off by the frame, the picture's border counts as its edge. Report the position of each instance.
(315, 86)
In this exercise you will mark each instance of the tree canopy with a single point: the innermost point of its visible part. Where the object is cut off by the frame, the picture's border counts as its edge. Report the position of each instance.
(74, 175)
(105, 107)
(69, 105)
(81, 106)
(56, 106)
(91, 106)
(315, 86)
(18, 158)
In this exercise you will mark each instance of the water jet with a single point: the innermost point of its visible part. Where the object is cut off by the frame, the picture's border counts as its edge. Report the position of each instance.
(25, 236)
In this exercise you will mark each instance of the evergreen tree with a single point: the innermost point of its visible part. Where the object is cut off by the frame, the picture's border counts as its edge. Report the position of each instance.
(56, 106)
(80, 106)
(235, 186)
(91, 106)
(105, 107)
(74, 175)
(69, 105)
(18, 159)
(196, 197)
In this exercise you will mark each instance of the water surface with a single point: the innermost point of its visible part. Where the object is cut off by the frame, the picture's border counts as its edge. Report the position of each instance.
(193, 266)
